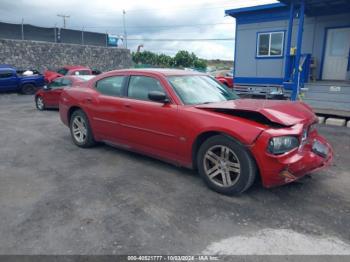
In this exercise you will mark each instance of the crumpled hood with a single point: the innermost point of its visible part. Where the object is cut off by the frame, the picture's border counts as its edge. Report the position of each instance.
(285, 113)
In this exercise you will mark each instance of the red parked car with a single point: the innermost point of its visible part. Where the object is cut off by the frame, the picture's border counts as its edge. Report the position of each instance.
(225, 77)
(189, 119)
(49, 96)
(66, 70)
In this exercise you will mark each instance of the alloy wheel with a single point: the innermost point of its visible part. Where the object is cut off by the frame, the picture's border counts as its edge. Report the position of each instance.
(222, 166)
(79, 129)
(40, 103)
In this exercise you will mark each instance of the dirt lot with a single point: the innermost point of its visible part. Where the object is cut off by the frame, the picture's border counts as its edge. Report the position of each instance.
(56, 198)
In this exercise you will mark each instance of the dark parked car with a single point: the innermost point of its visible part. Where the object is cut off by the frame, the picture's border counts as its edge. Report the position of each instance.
(12, 80)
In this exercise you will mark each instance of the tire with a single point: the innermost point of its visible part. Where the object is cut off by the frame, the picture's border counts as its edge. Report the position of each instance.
(39, 103)
(80, 129)
(28, 89)
(225, 165)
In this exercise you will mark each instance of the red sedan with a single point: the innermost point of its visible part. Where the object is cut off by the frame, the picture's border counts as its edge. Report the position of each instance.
(49, 96)
(66, 70)
(225, 77)
(189, 119)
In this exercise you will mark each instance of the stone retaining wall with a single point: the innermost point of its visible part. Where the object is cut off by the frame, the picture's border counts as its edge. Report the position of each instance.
(44, 55)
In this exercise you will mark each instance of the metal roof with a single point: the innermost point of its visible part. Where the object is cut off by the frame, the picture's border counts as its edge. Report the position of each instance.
(322, 7)
(312, 7)
(233, 12)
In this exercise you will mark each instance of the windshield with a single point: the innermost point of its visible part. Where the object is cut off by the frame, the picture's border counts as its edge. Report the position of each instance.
(199, 89)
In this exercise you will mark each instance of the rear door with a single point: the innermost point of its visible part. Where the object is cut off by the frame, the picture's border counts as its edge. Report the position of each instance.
(105, 107)
(150, 125)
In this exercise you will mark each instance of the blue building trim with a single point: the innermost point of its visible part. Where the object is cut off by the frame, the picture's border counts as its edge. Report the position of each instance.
(297, 81)
(258, 14)
(325, 46)
(234, 60)
(270, 57)
(233, 12)
(259, 80)
(289, 43)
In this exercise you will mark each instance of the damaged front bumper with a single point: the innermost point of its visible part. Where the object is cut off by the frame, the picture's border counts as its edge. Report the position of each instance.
(315, 154)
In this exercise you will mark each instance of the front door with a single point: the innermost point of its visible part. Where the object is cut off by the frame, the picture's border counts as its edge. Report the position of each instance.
(336, 63)
(150, 125)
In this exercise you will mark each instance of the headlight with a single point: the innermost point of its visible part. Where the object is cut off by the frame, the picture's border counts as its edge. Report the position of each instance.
(282, 144)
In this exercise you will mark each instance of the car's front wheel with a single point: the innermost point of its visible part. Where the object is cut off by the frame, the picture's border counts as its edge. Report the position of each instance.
(80, 130)
(225, 165)
(39, 102)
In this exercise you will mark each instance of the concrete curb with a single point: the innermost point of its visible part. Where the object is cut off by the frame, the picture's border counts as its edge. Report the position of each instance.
(335, 121)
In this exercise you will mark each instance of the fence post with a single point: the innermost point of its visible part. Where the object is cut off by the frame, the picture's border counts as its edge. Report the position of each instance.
(22, 29)
(82, 36)
(106, 39)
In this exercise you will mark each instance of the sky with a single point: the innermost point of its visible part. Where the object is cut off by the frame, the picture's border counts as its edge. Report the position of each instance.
(146, 21)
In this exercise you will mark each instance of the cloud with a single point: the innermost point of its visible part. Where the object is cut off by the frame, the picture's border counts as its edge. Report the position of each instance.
(154, 19)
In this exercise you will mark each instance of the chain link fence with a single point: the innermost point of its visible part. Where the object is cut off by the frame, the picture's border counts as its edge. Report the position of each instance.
(54, 34)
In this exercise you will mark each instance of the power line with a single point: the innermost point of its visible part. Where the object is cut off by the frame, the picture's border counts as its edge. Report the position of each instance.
(228, 5)
(159, 26)
(182, 39)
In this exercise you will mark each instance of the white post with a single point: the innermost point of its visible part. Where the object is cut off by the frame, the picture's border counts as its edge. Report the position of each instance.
(22, 29)
(125, 34)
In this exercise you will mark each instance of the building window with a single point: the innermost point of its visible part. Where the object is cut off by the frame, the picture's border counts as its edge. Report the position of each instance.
(270, 44)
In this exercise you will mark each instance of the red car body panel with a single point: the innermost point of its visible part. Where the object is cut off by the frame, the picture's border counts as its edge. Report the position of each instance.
(52, 97)
(171, 131)
(228, 81)
(52, 75)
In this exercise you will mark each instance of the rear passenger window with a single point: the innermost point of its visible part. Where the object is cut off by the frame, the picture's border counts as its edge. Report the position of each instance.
(111, 86)
(140, 86)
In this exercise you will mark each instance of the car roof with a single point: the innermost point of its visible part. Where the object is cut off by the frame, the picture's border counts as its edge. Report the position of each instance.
(160, 71)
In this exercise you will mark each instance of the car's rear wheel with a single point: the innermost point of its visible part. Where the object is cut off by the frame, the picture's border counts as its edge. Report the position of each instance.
(80, 130)
(39, 102)
(28, 89)
(225, 165)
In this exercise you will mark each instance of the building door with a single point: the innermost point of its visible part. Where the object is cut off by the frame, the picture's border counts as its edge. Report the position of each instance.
(336, 63)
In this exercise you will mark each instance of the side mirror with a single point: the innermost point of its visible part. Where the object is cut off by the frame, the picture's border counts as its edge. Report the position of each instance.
(46, 87)
(158, 96)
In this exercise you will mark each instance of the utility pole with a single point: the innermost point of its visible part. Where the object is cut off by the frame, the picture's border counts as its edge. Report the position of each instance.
(125, 34)
(64, 17)
(22, 29)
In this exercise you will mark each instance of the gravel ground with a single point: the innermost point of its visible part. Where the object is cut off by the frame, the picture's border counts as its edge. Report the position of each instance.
(56, 198)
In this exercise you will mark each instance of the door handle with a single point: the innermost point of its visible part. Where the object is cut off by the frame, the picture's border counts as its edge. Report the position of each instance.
(127, 105)
(88, 100)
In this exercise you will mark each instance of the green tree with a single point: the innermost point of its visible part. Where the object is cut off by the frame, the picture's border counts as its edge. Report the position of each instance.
(164, 60)
(183, 59)
(200, 64)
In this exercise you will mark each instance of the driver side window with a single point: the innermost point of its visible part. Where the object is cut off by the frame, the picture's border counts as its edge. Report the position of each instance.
(140, 86)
